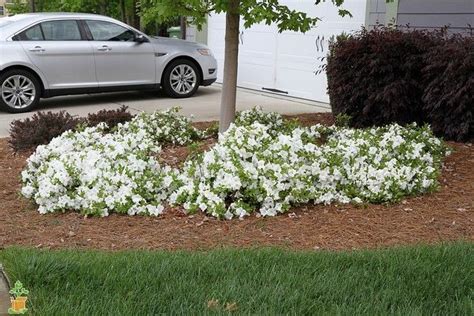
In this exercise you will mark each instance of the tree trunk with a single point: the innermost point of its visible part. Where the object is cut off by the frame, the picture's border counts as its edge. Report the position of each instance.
(229, 87)
(32, 6)
(123, 11)
(136, 16)
(103, 8)
(182, 22)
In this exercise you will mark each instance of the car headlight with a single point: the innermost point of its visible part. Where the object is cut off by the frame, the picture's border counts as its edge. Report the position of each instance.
(204, 51)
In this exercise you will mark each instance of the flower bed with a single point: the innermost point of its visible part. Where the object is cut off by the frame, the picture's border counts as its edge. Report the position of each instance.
(97, 173)
(262, 163)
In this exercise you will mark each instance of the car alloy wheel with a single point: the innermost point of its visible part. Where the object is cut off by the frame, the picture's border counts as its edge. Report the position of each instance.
(183, 79)
(18, 92)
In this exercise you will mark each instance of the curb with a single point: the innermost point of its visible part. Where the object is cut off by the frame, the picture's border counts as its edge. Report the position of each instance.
(4, 296)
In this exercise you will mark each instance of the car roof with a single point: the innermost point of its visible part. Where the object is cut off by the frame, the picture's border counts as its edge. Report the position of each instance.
(21, 21)
(55, 14)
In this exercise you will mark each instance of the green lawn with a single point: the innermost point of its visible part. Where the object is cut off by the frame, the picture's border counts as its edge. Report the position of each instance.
(403, 281)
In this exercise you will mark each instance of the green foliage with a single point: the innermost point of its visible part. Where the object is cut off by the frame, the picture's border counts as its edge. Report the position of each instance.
(194, 149)
(251, 11)
(162, 11)
(112, 8)
(212, 131)
(343, 120)
(422, 280)
(18, 7)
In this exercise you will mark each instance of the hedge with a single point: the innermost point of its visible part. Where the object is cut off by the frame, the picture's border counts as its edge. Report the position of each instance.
(386, 75)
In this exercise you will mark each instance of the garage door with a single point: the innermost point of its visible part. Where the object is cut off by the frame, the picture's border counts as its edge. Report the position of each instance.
(286, 62)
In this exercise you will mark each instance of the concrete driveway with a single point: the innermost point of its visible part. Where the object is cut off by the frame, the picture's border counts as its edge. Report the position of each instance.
(204, 105)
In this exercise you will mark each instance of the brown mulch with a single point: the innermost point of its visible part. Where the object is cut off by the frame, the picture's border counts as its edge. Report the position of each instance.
(443, 216)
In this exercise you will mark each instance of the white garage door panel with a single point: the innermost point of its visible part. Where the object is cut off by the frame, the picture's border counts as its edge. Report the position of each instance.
(256, 59)
(297, 61)
(215, 38)
(287, 61)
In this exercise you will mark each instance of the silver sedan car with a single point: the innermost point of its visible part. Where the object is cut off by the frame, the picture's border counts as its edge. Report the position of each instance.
(49, 54)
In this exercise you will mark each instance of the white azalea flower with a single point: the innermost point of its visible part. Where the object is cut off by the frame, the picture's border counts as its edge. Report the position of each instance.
(260, 164)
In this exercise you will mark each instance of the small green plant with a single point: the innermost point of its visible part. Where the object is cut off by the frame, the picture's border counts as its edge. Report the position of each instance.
(212, 131)
(343, 120)
(194, 149)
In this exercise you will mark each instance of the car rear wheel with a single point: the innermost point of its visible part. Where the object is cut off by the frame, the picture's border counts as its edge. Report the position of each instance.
(19, 91)
(181, 79)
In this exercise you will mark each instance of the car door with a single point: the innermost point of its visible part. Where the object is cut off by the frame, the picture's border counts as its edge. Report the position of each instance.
(119, 59)
(62, 53)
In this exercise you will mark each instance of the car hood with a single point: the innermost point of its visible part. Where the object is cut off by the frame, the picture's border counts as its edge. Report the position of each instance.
(175, 42)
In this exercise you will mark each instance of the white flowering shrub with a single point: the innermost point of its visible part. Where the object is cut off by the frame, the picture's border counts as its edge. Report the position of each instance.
(273, 121)
(97, 173)
(165, 127)
(250, 169)
(262, 163)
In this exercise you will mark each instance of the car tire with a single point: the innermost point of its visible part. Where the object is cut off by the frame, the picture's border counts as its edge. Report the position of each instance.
(20, 91)
(181, 79)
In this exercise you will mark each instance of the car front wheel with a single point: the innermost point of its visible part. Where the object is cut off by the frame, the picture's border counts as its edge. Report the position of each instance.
(181, 79)
(20, 91)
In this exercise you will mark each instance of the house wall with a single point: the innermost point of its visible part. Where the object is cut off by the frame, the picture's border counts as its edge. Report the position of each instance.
(376, 13)
(422, 14)
(4, 11)
(434, 14)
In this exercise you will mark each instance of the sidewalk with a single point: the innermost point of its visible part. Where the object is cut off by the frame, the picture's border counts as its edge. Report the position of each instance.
(4, 296)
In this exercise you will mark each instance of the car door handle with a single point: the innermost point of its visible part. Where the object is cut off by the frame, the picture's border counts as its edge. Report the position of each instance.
(37, 49)
(104, 48)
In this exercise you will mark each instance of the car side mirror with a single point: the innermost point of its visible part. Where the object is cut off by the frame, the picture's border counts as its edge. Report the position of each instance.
(140, 38)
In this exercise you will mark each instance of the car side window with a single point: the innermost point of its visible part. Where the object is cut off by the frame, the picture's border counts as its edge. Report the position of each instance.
(107, 31)
(32, 34)
(67, 30)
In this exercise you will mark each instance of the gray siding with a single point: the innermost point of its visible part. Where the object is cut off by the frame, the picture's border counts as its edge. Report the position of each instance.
(435, 14)
(376, 10)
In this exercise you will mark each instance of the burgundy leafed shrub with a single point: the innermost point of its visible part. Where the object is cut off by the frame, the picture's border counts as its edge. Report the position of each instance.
(40, 129)
(387, 75)
(448, 99)
(111, 117)
(374, 76)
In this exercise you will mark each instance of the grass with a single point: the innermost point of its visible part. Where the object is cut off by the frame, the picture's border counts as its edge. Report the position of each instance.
(423, 280)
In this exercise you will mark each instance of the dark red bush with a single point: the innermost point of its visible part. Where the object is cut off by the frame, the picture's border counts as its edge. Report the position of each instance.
(386, 75)
(448, 98)
(375, 76)
(40, 129)
(111, 117)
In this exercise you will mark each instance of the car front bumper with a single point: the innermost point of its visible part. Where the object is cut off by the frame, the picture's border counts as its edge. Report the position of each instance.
(208, 82)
